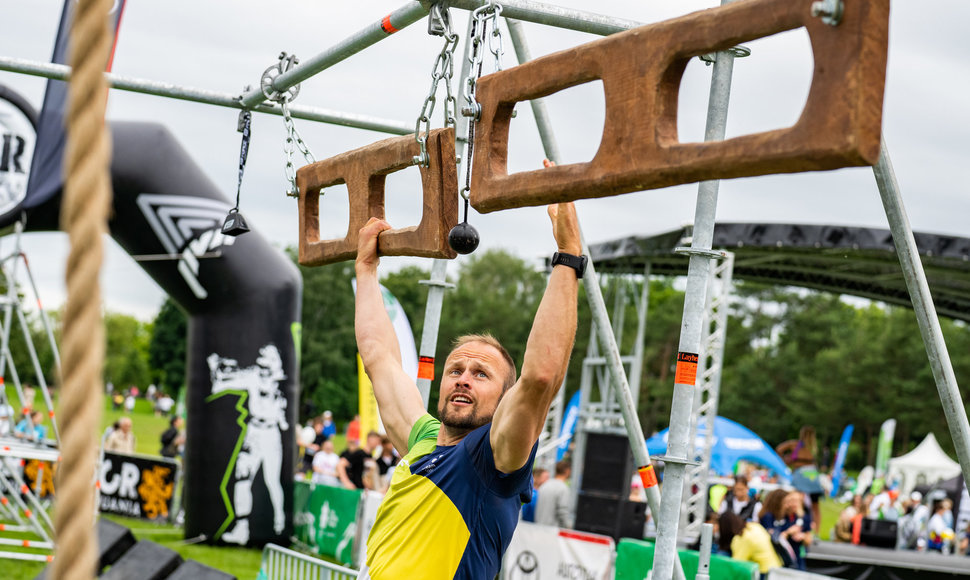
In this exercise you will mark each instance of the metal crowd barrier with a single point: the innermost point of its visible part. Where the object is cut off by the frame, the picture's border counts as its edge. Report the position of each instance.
(280, 563)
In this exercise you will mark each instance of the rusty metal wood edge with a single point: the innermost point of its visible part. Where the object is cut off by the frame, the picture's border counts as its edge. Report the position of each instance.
(641, 70)
(364, 171)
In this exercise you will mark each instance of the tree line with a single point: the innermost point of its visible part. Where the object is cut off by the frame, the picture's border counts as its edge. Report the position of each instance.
(792, 357)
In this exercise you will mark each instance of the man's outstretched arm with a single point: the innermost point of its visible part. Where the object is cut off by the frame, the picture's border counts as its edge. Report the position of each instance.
(520, 416)
(398, 398)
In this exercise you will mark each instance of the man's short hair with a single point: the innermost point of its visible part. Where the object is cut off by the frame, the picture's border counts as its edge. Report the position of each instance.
(490, 340)
(562, 468)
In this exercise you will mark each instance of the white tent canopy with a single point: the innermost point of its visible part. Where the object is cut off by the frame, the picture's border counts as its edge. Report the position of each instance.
(926, 464)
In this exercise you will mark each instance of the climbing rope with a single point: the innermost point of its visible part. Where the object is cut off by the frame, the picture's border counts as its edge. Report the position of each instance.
(84, 215)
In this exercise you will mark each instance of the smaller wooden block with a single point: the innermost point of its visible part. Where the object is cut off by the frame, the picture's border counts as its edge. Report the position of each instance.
(364, 171)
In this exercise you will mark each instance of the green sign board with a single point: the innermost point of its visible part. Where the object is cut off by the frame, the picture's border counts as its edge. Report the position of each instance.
(326, 519)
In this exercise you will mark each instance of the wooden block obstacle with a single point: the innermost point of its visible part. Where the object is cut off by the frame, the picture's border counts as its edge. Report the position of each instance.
(641, 71)
(364, 171)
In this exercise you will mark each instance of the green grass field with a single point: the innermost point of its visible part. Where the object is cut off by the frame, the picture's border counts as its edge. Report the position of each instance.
(240, 562)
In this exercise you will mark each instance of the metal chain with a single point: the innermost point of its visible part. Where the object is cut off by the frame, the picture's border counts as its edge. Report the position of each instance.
(480, 17)
(495, 40)
(293, 138)
(443, 69)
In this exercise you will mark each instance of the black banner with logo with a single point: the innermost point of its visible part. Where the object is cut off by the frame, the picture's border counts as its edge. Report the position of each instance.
(48, 158)
(243, 299)
(137, 486)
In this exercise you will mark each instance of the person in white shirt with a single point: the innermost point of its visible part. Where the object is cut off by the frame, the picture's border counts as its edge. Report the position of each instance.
(325, 465)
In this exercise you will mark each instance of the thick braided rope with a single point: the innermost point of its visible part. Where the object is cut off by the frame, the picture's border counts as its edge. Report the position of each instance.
(84, 215)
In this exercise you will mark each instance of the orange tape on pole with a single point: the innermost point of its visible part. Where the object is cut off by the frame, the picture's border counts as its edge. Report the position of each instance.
(686, 373)
(386, 25)
(648, 476)
(426, 367)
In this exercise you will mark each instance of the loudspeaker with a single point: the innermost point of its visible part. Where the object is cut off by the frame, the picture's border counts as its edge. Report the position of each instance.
(611, 516)
(878, 533)
(608, 465)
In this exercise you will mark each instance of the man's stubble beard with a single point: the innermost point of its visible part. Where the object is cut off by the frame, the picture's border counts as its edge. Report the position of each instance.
(468, 423)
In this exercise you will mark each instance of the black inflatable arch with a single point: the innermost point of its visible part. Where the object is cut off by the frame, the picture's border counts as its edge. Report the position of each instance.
(243, 299)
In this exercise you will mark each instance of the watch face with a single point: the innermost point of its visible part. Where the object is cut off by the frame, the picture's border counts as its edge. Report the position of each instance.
(17, 137)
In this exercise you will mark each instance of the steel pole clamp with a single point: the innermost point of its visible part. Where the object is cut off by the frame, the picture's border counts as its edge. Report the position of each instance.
(286, 62)
(710, 254)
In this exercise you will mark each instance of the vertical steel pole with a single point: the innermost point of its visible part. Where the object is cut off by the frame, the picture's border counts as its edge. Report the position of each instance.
(704, 563)
(438, 282)
(929, 323)
(636, 367)
(695, 300)
(601, 319)
(524, 55)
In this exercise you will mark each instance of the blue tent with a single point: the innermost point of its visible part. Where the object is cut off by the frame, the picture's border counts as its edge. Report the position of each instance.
(733, 442)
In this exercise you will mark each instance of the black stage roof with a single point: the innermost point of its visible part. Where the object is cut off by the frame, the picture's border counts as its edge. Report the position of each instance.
(839, 259)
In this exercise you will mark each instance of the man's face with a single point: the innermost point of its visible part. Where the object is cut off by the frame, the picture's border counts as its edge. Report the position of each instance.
(471, 386)
(373, 442)
(741, 491)
(540, 478)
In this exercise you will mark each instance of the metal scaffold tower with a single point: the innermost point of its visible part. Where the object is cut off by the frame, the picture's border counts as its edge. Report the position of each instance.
(706, 396)
(27, 458)
(603, 412)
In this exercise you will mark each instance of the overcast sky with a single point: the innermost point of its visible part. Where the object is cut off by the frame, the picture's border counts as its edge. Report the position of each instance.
(224, 45)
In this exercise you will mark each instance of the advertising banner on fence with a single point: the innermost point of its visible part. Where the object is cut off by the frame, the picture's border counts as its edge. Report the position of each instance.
(326, 520)
(39, 476)
(547, 552)
(137, 486)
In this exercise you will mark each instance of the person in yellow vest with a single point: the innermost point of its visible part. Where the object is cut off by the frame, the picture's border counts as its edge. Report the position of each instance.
(747, 541)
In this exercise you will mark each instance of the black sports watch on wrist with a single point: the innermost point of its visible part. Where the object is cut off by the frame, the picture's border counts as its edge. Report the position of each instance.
(577, 263)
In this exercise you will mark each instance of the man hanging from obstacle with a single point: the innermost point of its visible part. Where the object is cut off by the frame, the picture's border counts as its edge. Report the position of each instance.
(455, 496)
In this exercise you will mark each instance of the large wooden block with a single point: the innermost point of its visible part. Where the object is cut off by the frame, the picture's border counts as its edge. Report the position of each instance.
(364, 171)
(641, 71)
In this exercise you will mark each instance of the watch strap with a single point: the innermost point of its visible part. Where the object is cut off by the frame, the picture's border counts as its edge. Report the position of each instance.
(577, 263)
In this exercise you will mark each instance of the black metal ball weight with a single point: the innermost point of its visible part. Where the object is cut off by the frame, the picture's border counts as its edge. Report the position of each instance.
(463, 238)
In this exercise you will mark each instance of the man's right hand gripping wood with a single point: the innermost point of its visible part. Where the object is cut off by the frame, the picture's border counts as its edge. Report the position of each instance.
(367, 258)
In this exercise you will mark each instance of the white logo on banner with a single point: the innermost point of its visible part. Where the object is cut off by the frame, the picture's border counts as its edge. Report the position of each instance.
(187, 227)
(17, 139)
(261, 451)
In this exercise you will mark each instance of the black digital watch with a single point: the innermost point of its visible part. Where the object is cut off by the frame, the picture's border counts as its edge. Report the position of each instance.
(577, 263)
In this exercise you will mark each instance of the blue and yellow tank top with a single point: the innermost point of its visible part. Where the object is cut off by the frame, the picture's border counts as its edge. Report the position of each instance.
(449, 513)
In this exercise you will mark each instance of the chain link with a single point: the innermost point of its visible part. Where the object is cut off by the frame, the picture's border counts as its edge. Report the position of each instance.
(293, 139)
(443, 69)
(495, 40)
(480, 18)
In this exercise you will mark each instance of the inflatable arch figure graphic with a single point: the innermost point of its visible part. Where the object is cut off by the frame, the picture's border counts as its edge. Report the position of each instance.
(242, 298)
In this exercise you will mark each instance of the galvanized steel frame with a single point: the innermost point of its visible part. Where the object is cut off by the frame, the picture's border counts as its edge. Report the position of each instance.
(703, 224)
(708, 391)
